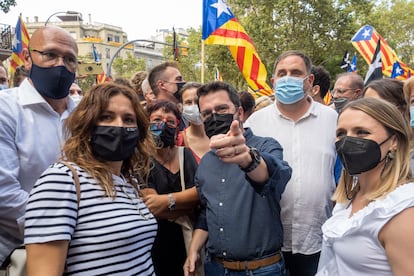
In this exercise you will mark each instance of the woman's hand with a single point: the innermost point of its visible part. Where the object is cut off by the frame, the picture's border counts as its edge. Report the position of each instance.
(157, 204)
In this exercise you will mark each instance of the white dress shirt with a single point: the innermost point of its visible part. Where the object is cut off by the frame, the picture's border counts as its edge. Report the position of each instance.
(30, 141)
(309, 148)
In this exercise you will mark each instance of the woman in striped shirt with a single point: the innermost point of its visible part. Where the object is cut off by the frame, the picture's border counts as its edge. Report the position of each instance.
(112, 230)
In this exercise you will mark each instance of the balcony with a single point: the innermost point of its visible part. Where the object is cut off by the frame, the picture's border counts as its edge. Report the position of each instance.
(6, 43)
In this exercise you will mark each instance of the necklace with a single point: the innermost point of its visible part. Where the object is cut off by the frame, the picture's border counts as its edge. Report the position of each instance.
(170, 156)
(135, 199)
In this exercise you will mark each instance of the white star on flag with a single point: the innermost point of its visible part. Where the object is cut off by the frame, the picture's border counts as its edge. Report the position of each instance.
(221, 7)
(398, 70)
(15, 42)
(366, 33)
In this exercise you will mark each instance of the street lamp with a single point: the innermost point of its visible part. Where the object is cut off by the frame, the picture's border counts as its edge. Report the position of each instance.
(108, 70)
(65, 12)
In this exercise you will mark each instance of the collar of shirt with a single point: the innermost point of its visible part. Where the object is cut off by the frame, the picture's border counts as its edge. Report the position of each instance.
(28, 95)
(312, 111)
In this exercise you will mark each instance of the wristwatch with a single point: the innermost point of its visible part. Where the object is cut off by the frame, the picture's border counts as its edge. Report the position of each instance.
(172, 202)
(256, 158)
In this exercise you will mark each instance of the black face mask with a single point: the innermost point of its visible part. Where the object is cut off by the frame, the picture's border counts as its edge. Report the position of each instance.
(359, 155)
(164, 136)
(340, 103)
(114, 143)
(52, 82)
(218, 124)
(177, 93)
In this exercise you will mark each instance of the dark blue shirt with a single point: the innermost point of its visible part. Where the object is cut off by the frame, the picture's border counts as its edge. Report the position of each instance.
(242, 217)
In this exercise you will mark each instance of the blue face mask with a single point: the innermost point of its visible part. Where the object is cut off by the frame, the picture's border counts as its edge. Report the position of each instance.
(52, 82)
(289, 90)
(412, 116)
(4, 86)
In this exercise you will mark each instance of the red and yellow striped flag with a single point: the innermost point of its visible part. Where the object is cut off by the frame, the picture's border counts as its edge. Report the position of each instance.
(218, 76)
(21, 41)
(102, 77)
(221, 27)
(365, 41)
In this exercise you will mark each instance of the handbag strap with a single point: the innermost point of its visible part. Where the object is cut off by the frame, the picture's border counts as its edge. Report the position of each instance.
(75, 179)
(181, 160)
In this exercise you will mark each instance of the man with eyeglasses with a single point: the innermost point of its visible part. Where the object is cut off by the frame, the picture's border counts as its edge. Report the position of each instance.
(31, 119)
(306, 131)
(348, 87)
(239, 182)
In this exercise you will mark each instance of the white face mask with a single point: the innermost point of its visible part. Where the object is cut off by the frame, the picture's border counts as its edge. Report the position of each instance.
(192, 114)
(76, 98)
(4, 86)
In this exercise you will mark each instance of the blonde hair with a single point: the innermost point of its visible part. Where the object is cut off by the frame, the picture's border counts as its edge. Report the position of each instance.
(396, 171)
(408, 87)
(82, 121)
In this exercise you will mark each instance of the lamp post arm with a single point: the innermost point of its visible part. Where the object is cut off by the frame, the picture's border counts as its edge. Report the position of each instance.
(66, 12)
(47, 20)
(108, 70)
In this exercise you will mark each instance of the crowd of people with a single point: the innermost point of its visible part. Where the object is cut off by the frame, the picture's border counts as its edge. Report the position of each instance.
(109, 180)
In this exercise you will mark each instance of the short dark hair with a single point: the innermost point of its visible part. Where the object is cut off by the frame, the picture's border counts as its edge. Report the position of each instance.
(123, 81)
(215, 86)
(247, 101)
(306, 59)
(390, 90)
(167, 106)
(19, 75)
(322, 78)
(156, 74)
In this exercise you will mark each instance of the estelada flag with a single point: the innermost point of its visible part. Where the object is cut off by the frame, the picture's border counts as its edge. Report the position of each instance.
(21, 41)
(365, 41)
(220, 26)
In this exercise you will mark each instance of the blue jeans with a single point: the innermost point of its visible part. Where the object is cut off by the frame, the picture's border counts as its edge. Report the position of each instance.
(213, 268)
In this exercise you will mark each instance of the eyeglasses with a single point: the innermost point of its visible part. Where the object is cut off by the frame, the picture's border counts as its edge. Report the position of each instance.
(3, 80)
(341, 91)
(220, 109)
(70, 61)
(158, 123)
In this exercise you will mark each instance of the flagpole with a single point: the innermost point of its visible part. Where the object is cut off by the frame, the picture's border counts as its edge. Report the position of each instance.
(202, 61)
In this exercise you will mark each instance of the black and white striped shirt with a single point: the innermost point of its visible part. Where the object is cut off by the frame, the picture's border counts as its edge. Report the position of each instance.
(106, 236)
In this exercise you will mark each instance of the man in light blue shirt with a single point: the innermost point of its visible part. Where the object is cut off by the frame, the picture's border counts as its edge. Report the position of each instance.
(31, 118)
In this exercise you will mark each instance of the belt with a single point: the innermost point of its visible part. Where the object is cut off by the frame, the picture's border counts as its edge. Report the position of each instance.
(249, 265)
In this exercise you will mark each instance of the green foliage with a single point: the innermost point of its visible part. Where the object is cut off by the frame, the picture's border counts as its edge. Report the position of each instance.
(5, 5)
(322, 29)
(87, 82)
(394, 21)
(190, 65)
(125, 68)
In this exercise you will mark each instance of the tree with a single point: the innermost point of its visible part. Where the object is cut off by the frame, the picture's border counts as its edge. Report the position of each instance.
(125, 68)
(5, 5)
(322, 29)
(394, 21)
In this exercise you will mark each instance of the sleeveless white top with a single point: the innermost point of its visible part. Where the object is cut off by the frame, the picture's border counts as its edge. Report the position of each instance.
(351, 245)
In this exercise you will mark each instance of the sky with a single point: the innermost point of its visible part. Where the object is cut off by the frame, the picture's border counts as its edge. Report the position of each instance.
(138, 18)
